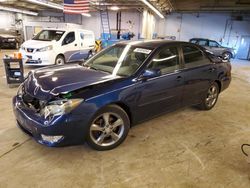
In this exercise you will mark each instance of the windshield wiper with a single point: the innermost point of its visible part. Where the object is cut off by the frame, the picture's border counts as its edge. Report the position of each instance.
(88, 66)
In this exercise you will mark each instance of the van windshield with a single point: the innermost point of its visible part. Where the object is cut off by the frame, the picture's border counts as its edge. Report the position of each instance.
(49, 35)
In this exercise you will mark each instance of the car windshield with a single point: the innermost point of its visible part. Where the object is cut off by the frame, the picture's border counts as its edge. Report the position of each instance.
(121, 60)
(49, 35)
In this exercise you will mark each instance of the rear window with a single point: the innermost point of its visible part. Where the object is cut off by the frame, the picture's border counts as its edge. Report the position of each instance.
(202, 43)
(194, 57)
(213, 44)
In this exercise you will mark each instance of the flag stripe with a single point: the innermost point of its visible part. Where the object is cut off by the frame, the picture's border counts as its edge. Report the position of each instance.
(80, 8)
(76, 6)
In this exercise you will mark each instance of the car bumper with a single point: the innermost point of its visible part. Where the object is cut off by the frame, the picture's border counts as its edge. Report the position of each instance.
(8, 45)
(69, 130)
(38, 58)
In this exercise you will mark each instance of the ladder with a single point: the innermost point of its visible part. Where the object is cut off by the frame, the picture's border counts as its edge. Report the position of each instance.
(105, 22)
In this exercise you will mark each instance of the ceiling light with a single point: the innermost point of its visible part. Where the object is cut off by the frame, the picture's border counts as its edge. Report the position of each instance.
(19, 11)
(153, 8)
(47, 4)
(3, 0)
(86, 14)
(115, 8)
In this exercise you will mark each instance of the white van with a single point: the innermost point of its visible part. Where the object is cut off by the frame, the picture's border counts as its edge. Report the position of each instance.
(58, 46)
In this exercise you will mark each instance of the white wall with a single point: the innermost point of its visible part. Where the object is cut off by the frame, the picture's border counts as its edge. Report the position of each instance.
(204, 25)
(7, 20)
(94, 23)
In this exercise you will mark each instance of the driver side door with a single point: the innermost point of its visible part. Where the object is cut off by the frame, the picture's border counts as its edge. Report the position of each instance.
(70, 47)
(164, 92)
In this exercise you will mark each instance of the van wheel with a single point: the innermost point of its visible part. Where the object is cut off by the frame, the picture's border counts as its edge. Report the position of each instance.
(60, 60)
(90, 54)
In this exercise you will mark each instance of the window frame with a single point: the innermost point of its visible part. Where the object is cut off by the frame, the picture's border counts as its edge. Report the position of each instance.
(203, 53)
(207, 42)
(214, 42)
(178, 47)
(63, 41)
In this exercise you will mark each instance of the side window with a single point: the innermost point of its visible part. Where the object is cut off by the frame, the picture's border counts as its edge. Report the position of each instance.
(202, 42)
(213, 44)
(193, 57)
(167, 60)
(70, 37)
(193, 41)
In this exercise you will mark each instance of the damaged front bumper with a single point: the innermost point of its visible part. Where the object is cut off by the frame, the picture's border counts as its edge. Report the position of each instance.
(68, 129)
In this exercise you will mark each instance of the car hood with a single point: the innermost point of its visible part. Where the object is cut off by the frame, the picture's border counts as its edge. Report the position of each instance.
(36, 44)
(45, 83)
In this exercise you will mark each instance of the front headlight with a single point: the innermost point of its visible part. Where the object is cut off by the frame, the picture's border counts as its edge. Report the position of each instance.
(47, 48)
(20, 90)
(60, 107)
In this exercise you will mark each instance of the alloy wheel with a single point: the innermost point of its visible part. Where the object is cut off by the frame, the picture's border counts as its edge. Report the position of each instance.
(212, 96)
(107, 129)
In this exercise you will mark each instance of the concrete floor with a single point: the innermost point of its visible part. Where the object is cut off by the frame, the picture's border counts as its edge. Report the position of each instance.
(186, 148)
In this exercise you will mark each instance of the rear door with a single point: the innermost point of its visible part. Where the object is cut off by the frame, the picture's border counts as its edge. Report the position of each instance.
(87, 43)
(198, 73)
(164, 92)
(70, 47)
(215, 48)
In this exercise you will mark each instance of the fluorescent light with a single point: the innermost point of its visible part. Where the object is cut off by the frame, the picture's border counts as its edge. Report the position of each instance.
(18, 11)
(153, 8)
(115, 8)
(47, 4)
(86, 14)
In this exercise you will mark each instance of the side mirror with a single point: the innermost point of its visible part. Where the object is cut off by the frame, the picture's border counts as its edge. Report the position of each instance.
(150, 73)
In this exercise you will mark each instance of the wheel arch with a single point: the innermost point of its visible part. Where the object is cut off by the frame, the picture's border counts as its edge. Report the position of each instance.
(61, 54)
(219, 84)
(226, 51)
(125, 108)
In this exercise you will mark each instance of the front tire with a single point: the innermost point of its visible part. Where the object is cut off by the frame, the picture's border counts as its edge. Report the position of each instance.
(108, 129)
(210, 99)
(227, 56)
(60, 60)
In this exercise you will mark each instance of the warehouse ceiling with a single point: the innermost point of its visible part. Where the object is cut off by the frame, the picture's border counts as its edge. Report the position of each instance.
(165, 6)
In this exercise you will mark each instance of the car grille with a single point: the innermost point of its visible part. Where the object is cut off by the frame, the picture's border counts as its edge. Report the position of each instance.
(31, 101)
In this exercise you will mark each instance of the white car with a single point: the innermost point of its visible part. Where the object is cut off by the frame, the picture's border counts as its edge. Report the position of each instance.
(58, 46)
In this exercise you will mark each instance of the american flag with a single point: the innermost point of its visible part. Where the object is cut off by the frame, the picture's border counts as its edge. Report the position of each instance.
(76, 6)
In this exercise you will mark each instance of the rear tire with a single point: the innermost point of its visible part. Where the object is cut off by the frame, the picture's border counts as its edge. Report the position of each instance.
(108, 129)
(90, 54)
(211, 97)
(60, 60)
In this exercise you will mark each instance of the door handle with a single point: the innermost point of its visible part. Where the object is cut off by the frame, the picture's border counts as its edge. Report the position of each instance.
(75, 44)
(179, 78)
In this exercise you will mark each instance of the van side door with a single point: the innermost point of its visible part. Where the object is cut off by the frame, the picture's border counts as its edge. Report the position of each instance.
(87, 43)
(70, 47)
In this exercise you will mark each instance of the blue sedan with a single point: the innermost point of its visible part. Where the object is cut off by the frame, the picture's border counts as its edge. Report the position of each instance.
(123, 85)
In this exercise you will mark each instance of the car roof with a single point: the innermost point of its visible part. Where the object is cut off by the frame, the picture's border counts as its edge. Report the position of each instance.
(68, 29)
(152, 43)
(203, 39)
